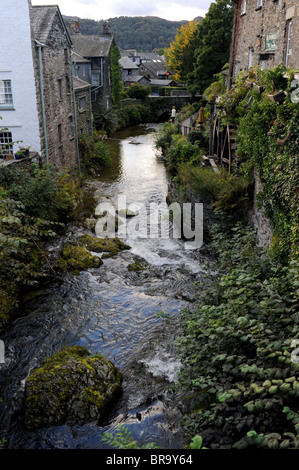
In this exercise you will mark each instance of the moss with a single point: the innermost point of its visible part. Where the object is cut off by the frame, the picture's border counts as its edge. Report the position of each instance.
(109, 246)
(76, 258)
(135, 267)
(70, 386)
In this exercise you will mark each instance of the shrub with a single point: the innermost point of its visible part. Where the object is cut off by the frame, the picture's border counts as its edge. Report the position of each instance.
(94, 153)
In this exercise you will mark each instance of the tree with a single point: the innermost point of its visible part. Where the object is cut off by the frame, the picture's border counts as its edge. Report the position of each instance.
(180, 51)
(213, 49)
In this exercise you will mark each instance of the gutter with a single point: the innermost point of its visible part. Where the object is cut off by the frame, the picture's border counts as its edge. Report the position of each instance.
(39, 46)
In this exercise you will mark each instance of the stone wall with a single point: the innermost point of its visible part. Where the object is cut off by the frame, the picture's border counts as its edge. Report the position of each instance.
(83, 106)
(260, 35)
(58, 98)
(257, 218)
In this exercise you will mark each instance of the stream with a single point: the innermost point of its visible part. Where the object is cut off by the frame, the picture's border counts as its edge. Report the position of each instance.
(113, 311)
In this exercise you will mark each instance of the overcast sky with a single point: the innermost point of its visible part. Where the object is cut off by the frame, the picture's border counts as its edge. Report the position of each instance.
(173, 10)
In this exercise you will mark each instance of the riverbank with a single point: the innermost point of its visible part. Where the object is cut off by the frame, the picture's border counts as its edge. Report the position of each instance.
(129, 316)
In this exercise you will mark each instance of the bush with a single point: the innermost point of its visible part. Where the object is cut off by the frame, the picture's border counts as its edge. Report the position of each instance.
(139, 92)
(229, 194)
(238, 374)
(94, 153)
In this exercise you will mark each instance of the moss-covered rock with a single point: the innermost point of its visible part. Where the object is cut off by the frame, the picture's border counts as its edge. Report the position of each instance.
(72, 387)
(77, 258)
(109, 246)
(135, 267)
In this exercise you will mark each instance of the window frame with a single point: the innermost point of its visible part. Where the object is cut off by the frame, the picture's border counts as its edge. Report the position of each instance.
(259, 4)
(243, 7)
(6, 94)
(6, 146)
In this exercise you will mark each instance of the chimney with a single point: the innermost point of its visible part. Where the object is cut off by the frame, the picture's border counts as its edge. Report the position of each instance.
(74, 26)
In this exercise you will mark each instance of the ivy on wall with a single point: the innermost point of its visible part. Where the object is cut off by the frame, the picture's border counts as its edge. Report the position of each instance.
(268, 140)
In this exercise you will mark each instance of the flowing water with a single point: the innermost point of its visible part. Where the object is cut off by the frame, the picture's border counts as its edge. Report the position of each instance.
(115, 312)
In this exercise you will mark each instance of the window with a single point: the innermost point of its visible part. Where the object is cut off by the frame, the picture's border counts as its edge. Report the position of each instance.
(95, 79)
(250, 58)
(68, 85)
(243, 7)
(6, 147)
(66, 56)
(82, 103)
(59, 89)
(259, 3)
(59, 133)
(71, 126)
(6, 93)
(288, 42)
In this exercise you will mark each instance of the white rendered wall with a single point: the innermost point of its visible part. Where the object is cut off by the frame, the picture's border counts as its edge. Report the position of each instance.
(16, 64)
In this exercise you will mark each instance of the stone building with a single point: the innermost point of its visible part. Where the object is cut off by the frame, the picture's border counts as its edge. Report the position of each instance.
(129, 69)
(265, 33)
(93, 64)
(37, 101)
(52, 56)
(83, 106)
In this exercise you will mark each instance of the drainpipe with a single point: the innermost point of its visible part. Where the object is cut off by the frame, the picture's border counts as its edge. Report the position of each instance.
(39, 46)
(75, 111)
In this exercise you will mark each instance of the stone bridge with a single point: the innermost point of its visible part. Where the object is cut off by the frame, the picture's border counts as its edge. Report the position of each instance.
(167, 102)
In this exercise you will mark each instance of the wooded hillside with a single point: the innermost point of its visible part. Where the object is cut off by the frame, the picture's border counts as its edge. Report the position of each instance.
(140, 33)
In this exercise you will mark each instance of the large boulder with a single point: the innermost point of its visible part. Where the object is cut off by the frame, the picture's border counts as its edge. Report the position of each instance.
(77, 258)
(70, 387)
(108, 246)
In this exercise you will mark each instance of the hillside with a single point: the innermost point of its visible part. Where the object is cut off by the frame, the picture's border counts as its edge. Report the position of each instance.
(140, 33)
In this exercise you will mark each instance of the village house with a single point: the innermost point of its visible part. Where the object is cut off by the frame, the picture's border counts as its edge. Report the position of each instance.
(37, 102)
(52, 56)
(129, 69)
(18, 105)
(265, 34)
(93, 63)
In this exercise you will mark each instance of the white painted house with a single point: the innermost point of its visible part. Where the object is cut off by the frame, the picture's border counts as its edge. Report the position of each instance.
(18, 100)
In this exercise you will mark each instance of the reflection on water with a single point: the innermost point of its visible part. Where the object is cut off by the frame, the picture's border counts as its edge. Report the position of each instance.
(112, 311)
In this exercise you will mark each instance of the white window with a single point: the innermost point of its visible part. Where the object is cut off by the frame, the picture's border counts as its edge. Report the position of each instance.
(6, 93)
(243, 7)
(6, 147)
(259, 3)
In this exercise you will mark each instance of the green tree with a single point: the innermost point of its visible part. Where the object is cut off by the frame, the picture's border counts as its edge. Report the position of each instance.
(116, 84)
(180, 50)
(213, 45)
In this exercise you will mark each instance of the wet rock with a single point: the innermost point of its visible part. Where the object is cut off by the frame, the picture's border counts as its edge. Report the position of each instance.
(72, 387)
(109, 246)
(77, 258)
(90, 224)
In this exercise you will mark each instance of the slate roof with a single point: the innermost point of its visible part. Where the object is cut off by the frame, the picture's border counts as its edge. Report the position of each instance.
(127, 63)
(92, 46)
(80, 84)
(42, 18)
